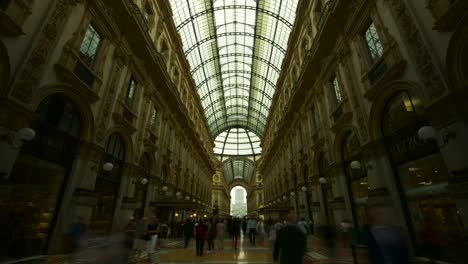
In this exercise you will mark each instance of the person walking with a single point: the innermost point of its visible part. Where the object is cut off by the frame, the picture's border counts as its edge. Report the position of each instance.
(244, 226)
(200, 235)
(153, 230)
(235, 232)
(252, 225)
(290, 244)
(211, 234)
(220, 230)
(303, 226)
(261, 230)
(188, 231)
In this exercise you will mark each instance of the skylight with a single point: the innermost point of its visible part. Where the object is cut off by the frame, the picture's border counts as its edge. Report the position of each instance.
(235, 49)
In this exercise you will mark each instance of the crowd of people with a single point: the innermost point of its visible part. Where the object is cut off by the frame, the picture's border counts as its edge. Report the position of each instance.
(286, 238)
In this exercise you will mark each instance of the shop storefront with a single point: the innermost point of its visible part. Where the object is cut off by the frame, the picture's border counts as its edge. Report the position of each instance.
(31, 198)
(107, 186)
(422, 178)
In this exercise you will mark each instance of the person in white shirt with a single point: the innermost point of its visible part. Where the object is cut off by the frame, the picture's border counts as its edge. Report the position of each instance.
(261, 230)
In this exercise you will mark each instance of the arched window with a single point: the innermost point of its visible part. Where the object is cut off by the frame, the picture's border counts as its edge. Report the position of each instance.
(57, 111)
(145, 163)
(163, 174)
(116, 147)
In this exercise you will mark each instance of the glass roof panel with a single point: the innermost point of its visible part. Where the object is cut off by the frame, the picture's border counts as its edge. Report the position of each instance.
(238, 168)
(235, 49)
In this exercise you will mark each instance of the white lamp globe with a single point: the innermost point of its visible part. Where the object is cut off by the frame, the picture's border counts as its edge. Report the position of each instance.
(107, 166)
(355, 165)
(164, 188)
(25, 133)
(187, 197)
(426, 132)
(293, 193)
(178, 194)
(304, 188)
(144, 181)
(284, 197)
(322, 180)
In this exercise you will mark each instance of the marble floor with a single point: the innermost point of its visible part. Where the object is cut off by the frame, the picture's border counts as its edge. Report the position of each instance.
(173, 252)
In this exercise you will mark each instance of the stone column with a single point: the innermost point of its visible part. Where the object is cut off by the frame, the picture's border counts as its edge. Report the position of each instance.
(383, 193)
(453, 142)
(125, 205)
(79, 198)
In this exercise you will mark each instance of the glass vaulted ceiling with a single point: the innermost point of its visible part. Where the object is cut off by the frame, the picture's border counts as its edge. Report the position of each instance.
(235, 49)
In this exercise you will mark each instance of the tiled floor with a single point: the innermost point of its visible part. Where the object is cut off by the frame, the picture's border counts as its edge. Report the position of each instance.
(172, 252)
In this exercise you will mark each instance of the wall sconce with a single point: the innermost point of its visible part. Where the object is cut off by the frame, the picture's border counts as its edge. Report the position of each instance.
(304, 189)
(205, 216)
(141, 180)
(164, 188)
(179, 194)
(108, 166)
(26, 134)
(193, 200)
(187, 197)
(322, 180)
(176, 215)
(293, 194)
(356, 165)
(428, 132)
(279, 200)
(284, 197)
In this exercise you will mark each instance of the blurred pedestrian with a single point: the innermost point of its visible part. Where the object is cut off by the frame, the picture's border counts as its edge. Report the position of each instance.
(211, 234)
(290, 244)
(302, 224)
(386, 243)
(261, 230)
(200, 235)
(188, 231)
(153, 231)
(252, 226)
(244, 226)
(77, 232)
(235, 232)
(220, 230)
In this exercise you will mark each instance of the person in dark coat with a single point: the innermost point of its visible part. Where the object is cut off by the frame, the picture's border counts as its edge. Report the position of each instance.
(290, 245)
(188, 231)
(235, 232)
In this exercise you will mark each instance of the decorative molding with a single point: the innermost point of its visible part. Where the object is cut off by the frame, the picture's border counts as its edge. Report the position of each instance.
(432, 79)
(30, 77)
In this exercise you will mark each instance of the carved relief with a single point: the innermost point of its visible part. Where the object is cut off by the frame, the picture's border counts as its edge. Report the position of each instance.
(31, 75)
(107, 105)
(422, 57)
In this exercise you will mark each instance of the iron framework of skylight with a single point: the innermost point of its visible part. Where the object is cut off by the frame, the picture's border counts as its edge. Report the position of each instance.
(235, 49)
(238, 168)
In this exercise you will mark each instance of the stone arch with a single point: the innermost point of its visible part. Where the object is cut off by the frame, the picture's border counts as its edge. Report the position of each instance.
(150, 152)
(457, 57)
(80, 102)
(5, 70)
(129, 148)
(340, 138)
(238, 182)
(386, 93)
(318, 154)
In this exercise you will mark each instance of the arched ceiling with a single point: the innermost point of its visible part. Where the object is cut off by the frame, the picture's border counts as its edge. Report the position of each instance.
(238, 169)
(235, 49)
